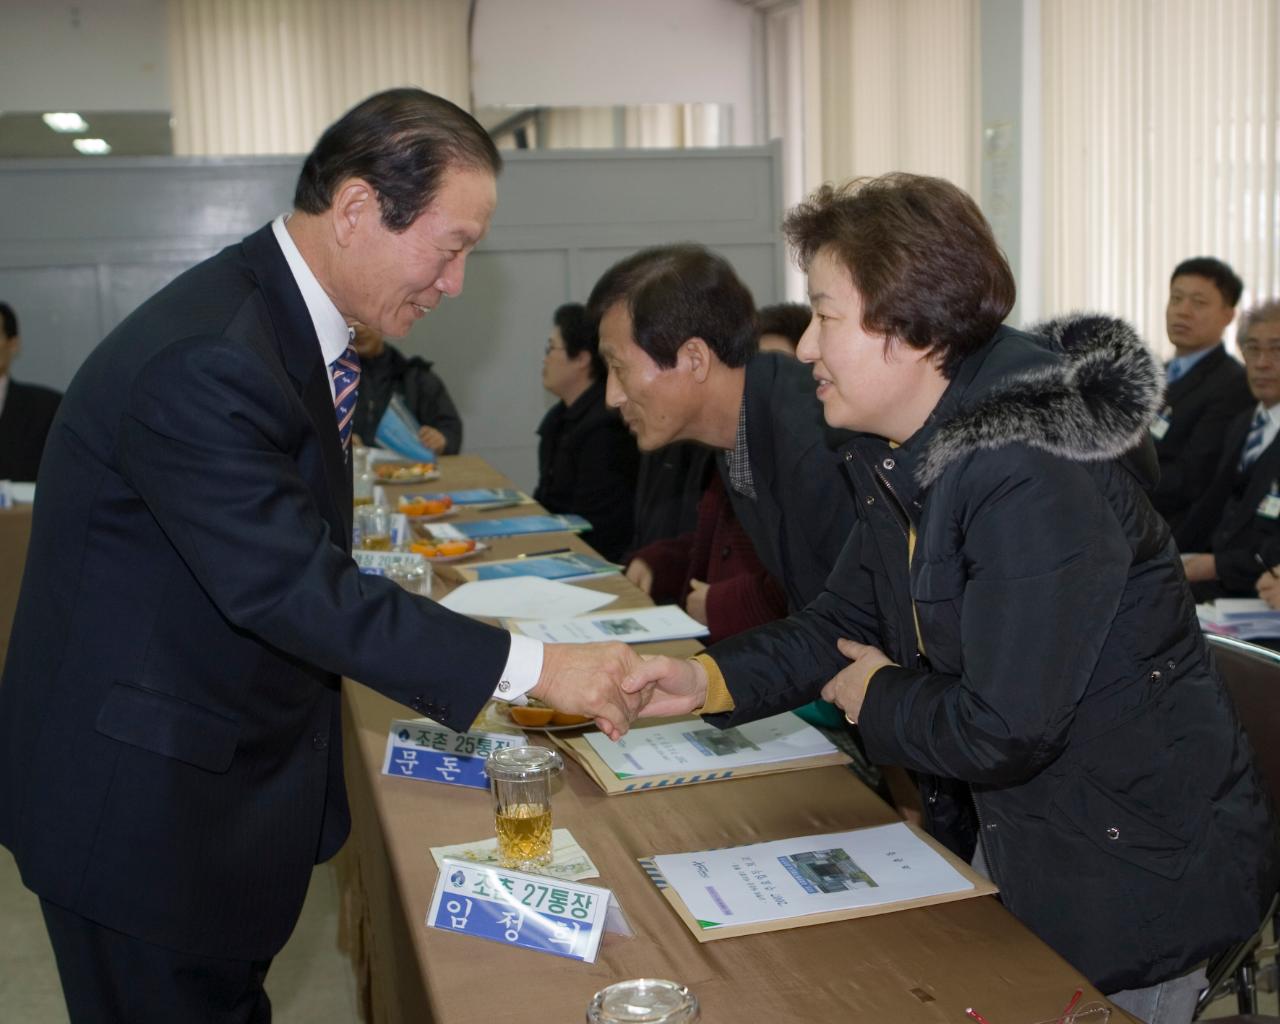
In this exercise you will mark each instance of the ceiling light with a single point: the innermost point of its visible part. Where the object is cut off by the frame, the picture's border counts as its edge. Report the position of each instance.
(66, 122)
(92, 147)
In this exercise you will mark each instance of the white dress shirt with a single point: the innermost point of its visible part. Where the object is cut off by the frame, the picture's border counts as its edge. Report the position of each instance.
(524, 660)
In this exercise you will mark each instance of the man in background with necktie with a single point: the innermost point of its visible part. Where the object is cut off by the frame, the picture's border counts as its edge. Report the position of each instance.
(1233, 530)
(170, 740)
(1205, 387)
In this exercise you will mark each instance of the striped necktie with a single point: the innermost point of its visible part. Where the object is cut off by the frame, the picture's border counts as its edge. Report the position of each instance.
(1174, 371)
(1253, 443)
(346, 384)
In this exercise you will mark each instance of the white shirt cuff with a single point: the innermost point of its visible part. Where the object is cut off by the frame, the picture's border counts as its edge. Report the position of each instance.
(520, 674)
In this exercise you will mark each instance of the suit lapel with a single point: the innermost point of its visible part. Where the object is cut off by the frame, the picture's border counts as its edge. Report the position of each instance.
(1196, 376)
(299, 350)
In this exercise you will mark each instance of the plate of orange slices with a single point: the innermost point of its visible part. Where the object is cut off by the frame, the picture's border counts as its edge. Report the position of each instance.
(447, 550)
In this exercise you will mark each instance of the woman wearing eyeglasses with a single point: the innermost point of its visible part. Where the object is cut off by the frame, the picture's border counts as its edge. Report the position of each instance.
(587, 459)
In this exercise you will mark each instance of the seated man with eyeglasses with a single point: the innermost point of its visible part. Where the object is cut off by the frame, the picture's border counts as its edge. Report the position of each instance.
(1232, 532)
(587, 459)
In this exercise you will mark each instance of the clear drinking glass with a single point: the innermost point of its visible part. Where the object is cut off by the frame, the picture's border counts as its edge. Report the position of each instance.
(520, 778)
(416, 580)
(644, 1001)
(361, 476)
(373, 527)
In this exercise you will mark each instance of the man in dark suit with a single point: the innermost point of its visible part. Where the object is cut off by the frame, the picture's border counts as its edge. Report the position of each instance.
(1232, 533)
(170, 763)
(1206, 388)
(26, 410)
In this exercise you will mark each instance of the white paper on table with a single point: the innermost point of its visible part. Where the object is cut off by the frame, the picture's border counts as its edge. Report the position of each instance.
(808, 875)
(692, 746)
(633, 626)
(568, 860)
(524, 597)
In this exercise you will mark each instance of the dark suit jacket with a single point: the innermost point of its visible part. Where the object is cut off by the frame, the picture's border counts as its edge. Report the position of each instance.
(1229, 520)
(170, 760)
(587, 463)
(1199, 406)
(28, 413)
(803, 509)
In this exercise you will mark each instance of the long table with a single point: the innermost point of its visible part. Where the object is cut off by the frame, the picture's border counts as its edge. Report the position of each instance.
(15, 532)
(923, 965)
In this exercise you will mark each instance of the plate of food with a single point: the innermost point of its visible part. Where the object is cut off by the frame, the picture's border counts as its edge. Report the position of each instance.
(447, 550)
(425, 509)
(406, 472)
(536, 715)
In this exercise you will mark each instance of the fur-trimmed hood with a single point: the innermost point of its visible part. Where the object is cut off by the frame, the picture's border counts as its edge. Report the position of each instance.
(1093, 405)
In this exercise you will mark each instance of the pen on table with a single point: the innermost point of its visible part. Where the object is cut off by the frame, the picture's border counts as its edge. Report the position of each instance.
(1257, 557)
(971, 1012)
(539, 554)
(1066, 1013)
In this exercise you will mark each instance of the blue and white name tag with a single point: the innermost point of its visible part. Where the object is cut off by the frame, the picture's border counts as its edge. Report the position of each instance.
(1269, 507)
(378, 562)
(1160, 425)
(421, 749)
(517, 909)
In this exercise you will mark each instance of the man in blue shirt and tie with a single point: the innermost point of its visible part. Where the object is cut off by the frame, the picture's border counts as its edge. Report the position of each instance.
(1206, 387)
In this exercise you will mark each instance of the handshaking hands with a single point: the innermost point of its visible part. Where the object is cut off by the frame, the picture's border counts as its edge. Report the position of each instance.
(586, 679)
(615, 686)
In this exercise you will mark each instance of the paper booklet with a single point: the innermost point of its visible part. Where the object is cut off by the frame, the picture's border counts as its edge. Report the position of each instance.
(512, 527)
(1244, 617)
(398, 432)
(568, 565)
(792, 883)
(633, 626)
(686, 751)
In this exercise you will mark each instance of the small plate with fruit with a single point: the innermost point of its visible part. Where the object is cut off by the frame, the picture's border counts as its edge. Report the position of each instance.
(447, 550)
(425, 508)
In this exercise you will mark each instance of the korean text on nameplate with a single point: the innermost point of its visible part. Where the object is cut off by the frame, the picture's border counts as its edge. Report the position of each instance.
(518, 909)
(421, 749)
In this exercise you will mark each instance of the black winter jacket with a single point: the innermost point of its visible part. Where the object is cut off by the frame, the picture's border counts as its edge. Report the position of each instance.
(1007, 558)
(587, 463)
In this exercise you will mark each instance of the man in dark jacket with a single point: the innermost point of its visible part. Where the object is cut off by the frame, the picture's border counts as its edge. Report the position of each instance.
(678, 335)
(587, 461)
(1232, 533)
(1206, 388)
(26, 410)
(385, 371)
(1010, 612)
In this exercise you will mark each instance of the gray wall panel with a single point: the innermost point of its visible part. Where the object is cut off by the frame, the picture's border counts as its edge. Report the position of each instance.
(81, 244)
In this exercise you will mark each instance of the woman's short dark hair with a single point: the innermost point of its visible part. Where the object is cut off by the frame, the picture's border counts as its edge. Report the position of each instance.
(788, 319)
(921, 256)
(678, 292)
(1223, 277)
(580, 335)
(401, 142)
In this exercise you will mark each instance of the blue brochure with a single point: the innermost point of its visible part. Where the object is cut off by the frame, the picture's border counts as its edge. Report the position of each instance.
(398, 432)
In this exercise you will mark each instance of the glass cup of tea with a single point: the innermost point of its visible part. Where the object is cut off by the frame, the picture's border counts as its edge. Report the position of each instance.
(520, 778)
(643, 1001)
(373, 527)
